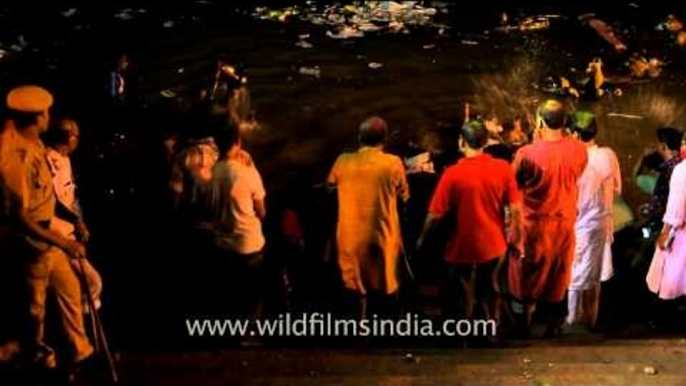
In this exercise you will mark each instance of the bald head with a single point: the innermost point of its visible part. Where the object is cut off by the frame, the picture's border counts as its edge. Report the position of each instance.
(373, 131)
(552, 113)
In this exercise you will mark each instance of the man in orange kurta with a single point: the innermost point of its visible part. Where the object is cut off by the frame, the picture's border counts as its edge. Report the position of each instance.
(369, 241)
(547, 172)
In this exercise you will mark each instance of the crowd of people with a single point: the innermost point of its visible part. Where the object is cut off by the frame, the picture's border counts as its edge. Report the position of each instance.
(527, 216)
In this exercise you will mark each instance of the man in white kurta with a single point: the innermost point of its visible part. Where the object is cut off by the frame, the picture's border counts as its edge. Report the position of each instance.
(598, 185)
(63, 140)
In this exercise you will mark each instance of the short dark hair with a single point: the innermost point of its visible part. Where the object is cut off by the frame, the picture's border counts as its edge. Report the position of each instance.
(552, 113)
(23, 119)
(670, 136)
(373, 131)
(584, 124)
(474, 133)
(226, 137)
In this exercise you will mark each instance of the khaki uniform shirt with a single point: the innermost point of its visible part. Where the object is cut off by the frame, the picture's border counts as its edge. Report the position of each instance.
(27, 180)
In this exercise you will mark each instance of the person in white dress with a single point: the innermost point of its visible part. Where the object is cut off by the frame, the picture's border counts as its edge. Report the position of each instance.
(62, 141)
(667, 274)
(599, 184)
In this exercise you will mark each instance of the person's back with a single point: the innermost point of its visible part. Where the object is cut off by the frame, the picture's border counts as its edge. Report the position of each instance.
(476, 193)
(547, 173)
(598, 185)
(479, 189)
(368, 183)
(237, 225)
(368, 234)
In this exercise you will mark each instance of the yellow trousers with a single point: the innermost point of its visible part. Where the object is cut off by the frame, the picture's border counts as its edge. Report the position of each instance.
(52, 271)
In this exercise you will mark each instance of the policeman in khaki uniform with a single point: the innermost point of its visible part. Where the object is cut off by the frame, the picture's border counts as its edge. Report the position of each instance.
(46, 254)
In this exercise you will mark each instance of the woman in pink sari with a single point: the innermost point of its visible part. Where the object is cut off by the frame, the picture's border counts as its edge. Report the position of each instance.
(667, 273)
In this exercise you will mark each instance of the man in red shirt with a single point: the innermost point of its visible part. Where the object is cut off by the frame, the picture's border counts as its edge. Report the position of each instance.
(475, 193)
(547, 172)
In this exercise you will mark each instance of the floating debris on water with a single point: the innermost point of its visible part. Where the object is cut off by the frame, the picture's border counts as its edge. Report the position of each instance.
(304, 44)
(650, 370)
(671, 23)
(312, 71)
(409, 358)
(345, 33)
(535, 23)
(531, 23)
(469, 42)
(126, 14)
(368, 16)
(375, 65)
(129, 13)
(627, 116)
(70, 12)
(168, 93)
(282, 15)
